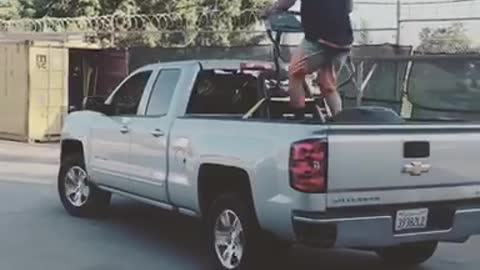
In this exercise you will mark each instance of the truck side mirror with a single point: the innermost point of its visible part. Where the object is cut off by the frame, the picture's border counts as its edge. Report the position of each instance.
(97, 104)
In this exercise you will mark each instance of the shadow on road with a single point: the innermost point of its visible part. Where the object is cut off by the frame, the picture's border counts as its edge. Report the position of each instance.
(162, 231)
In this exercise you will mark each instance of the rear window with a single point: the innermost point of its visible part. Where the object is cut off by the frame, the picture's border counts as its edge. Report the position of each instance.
(241, 95)
(228, 94)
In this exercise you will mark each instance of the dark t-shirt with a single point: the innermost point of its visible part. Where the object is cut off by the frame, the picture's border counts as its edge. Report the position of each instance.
(328, 20)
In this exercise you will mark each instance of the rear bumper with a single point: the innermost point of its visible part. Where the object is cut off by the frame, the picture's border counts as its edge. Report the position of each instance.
(370, 231)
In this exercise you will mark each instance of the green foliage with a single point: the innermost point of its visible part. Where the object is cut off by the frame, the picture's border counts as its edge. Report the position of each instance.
(196, 21)
(119, 7)
(10, 10)
(206, 22)
(59, 8)
(451, 39)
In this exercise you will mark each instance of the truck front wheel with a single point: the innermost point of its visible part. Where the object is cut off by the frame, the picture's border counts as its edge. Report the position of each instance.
(408, 254)
(78, 195)
(235, 239)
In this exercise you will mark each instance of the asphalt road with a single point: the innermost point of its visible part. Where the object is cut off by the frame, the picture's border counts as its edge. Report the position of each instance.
(36, 233)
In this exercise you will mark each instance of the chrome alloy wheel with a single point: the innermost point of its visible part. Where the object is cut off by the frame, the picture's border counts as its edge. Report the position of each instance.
(76, 186)
(229, 239)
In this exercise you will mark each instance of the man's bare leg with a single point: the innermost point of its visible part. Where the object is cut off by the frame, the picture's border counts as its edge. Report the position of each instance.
(297, 72)
(297, 92)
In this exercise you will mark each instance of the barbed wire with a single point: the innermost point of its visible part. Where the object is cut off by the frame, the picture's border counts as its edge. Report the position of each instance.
(159, 30)
(136, 22)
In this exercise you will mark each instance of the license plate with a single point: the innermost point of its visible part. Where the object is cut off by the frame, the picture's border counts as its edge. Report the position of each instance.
(411, 219)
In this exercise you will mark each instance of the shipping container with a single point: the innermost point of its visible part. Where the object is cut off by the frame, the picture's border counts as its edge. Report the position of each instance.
(33, 80)
(41, 81)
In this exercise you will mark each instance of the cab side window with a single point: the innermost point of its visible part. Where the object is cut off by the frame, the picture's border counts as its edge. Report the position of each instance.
(127, 98)
(163, 91)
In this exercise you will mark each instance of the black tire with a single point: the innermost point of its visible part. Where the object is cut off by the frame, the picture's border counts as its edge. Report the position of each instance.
(261, 250)
(97, 200)
(408, 254)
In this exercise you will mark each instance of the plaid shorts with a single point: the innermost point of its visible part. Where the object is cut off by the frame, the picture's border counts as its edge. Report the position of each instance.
(314, 56)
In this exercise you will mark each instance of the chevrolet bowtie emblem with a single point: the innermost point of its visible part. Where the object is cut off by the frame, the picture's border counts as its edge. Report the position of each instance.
(416, 168)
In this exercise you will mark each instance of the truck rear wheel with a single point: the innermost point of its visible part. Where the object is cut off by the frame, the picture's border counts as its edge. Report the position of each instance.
(78, 195)
(235, 239)
(408, 254)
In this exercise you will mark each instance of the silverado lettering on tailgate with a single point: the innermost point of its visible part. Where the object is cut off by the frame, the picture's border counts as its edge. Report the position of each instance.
(355, 200)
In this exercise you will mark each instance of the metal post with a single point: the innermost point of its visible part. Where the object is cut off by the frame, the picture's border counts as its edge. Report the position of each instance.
(49, 89)
(360, 83)
(399, 14)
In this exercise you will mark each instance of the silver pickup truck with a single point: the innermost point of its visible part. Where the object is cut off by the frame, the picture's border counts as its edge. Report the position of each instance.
(202, 139)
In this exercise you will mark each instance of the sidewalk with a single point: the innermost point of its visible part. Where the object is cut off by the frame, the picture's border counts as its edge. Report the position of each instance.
(30, 163)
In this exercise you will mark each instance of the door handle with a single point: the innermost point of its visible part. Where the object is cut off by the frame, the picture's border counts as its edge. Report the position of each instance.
(157, 133)
(124, 130)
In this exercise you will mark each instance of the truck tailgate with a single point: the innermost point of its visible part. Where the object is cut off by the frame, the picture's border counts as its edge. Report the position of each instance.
(369, 160)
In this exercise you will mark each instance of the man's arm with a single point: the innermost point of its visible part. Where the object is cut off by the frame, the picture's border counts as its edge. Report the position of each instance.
(350, 6)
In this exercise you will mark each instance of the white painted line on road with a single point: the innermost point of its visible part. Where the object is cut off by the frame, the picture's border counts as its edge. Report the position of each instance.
(28, 180)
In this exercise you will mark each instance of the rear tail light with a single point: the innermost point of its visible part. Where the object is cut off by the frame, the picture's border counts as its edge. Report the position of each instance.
(308, 166)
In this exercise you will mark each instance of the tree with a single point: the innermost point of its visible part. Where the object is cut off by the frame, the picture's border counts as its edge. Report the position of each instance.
(451, 39)
(9, 10)
(119, 7)
(59, 8)
(195, 22)
(207, 22)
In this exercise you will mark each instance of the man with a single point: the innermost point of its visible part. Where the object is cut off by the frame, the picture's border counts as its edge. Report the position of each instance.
(328, 40)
